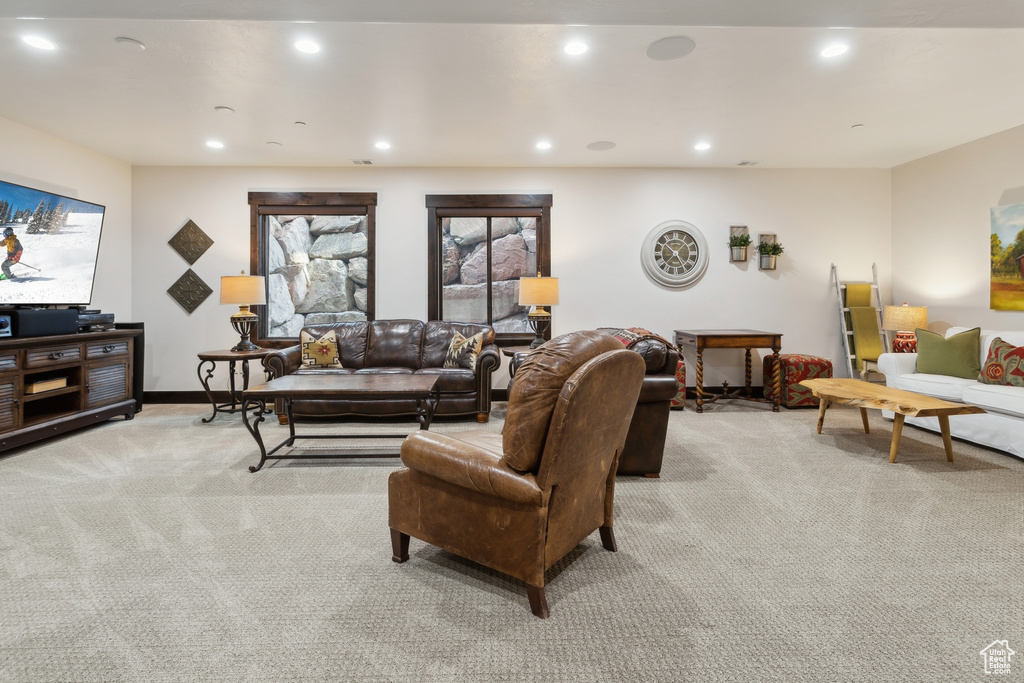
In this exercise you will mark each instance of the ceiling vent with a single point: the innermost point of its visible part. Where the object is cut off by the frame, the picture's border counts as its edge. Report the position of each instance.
(748, 163)
(362, 162)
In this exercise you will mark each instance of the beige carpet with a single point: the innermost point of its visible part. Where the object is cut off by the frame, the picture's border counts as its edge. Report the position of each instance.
(144, 550)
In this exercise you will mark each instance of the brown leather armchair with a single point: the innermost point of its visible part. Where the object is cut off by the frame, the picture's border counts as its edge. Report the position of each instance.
(519, 501)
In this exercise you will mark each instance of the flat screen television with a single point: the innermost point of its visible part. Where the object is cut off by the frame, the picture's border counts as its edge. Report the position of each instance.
(59, 238)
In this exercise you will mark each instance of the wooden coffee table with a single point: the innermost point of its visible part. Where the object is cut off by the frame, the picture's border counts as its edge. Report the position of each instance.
(866, 395)
(422, 388)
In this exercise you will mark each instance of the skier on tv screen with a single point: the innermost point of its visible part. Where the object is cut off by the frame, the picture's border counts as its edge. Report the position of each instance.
(14, 250)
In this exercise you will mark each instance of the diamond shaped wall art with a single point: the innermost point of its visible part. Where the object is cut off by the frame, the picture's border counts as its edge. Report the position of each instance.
(189, 291)
(190, 242)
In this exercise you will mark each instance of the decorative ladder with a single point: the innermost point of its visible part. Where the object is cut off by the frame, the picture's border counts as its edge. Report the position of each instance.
(845, 323)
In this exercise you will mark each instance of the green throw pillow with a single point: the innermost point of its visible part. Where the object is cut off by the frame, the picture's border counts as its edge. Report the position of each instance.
(957, 356)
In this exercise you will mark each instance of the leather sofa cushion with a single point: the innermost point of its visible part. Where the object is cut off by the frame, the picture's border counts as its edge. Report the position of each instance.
(538, 382)
(451, 379)
(385, 371)
(324, 371)
(394, 343)
(351, 341)
(437, 336)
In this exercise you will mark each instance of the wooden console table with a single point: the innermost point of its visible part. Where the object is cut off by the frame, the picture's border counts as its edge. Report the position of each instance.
(732, 339)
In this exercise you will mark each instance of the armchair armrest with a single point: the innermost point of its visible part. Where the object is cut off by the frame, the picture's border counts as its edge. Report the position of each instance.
(283, 361)
(896, 364)
(468, 463)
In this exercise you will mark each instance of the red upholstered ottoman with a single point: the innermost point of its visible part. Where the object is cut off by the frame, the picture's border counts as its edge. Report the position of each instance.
(796, 367)
(679, 402)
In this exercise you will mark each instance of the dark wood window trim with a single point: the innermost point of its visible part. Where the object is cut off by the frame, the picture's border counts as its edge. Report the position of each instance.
(310, 203)
(484, 206)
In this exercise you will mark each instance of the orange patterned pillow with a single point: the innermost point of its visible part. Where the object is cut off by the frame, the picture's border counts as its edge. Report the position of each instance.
(320, 353)
(1004, 364)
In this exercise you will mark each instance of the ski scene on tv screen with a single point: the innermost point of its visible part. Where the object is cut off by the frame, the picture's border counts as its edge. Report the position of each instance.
(50, 245)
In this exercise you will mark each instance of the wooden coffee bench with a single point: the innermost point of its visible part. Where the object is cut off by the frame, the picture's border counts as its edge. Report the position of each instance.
(422, 388)
(866, 395)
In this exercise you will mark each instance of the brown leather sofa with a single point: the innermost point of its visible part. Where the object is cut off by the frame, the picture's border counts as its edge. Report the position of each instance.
(645, 443)
(396, 346)
(519, 501)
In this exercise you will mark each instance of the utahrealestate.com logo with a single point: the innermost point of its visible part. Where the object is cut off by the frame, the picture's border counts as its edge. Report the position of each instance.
(997, 657)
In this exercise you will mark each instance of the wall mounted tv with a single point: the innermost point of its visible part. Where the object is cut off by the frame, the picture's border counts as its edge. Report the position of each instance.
(60, 241)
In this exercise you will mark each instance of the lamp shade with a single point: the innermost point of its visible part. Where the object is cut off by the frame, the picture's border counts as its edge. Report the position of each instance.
(242, 289)
(538, 291)
(904, 318)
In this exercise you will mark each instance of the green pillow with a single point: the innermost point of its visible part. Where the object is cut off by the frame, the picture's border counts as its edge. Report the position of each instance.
(957, 356)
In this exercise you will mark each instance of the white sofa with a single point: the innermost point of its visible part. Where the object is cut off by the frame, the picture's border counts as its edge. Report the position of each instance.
(1001, 427)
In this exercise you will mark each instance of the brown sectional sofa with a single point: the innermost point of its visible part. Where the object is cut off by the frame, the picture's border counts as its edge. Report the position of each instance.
(397, 346)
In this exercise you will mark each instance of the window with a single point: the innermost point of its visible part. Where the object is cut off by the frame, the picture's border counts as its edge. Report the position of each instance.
(316, 251)
(478, 248)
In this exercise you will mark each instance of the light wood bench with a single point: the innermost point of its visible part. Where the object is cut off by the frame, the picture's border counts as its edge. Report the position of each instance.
(866, 395)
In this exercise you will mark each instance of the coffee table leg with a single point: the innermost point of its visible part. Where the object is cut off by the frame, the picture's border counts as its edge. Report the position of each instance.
(425, 408)
(947, 439)
(864, 419)
(897, 431)
(254, 428)
(822, 407)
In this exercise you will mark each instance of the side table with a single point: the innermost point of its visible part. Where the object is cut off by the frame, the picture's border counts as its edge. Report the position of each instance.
(232, 357)
(732, 339)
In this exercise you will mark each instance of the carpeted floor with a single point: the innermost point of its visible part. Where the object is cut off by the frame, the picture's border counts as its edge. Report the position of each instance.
(144, 550)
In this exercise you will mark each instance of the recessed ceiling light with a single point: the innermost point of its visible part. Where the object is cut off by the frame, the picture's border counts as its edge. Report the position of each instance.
(224, 109)
(382, 144)
(575, 48)
(275, 144)
(602, 146)
(857, 125)
(125, 41)
(673, 47)
(39, 42)
(834, 50)
(702, 146)
(300, 123)
(215, 144)
(543, 144)
(307, 46)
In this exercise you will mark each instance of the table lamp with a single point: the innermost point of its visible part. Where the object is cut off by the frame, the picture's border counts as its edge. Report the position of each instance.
(903, 320)
(244, 290)
(538, 292)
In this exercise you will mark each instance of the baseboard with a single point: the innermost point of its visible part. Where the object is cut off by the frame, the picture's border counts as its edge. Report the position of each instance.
(185, 397)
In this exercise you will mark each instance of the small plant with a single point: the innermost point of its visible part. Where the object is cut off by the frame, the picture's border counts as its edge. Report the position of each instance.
(739, 240)
(769, 248)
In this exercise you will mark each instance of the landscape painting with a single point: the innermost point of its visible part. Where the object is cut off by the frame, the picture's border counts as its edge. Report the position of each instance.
(50, 245)
(1007, 283)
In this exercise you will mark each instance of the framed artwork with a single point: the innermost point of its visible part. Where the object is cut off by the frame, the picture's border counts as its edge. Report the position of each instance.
(316, 251)
(1006, 286)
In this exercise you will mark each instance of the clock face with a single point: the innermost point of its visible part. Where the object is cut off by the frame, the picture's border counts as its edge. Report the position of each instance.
(675, 254)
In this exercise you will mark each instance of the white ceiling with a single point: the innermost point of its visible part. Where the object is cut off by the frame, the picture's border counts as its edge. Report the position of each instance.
(479, 82)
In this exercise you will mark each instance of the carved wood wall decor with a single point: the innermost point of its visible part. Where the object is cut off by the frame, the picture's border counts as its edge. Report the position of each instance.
(189, 291)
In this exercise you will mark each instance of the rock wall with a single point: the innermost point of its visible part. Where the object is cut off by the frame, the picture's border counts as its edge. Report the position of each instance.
(464, 269)
(316, 271)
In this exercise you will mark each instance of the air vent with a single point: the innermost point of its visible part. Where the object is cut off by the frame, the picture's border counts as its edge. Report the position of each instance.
(362, 162)
(748, 163)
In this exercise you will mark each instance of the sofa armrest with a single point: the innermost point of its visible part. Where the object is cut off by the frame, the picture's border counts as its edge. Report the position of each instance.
(470, 466)
(896, 364)
(283, 361)
(487, 361)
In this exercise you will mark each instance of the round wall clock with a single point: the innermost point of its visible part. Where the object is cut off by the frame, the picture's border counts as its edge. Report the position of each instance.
(674, 254)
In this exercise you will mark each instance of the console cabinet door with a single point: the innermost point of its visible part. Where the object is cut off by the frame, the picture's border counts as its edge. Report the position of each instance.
(9, 403)
(106, 383)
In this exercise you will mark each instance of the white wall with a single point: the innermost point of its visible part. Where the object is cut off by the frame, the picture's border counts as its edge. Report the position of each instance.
(941, 229)
(599, 220)
(41, 161)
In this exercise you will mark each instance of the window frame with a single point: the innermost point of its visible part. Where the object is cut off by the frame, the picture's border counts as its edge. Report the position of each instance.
(440, 206)
(308, 203)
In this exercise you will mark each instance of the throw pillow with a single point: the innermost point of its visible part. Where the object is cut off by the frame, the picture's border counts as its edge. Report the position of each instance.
(1004, 364)
(320, 353)
(462, 351)
(957, 356)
